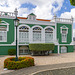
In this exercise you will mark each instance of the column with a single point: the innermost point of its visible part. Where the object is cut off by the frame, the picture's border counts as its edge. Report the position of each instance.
(43, 35)
(58, 49)
(30, 36)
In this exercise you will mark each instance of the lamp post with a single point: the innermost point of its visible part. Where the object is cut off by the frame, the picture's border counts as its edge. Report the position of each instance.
(16, 25)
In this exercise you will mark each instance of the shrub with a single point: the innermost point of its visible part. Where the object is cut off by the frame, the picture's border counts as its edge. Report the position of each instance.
(11, 52)
(41, 47)
(23, 62)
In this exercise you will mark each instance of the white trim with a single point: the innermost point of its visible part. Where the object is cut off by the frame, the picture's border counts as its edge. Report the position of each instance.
(29, 31)
(37, 22)
(9, 17)
(23, 25)
(53, 31)
(65, 44)
(56, 41)
(32, 17)
(7, 45)
(64, 22)
(72, 31)
(41, 34)
(37, 26)
(27, 44)
(58, 49)
(63, 49)
(23, 44)
(5, 40)
(62, 27)
(5, 23)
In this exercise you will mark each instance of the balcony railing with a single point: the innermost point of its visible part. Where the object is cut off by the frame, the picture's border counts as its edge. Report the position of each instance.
(7, 14)
(64, 20)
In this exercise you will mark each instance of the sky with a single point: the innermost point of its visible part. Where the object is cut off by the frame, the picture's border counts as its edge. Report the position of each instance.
(43, 9)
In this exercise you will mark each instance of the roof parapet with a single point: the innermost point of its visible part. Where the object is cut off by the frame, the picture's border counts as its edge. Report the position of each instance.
(8, 14)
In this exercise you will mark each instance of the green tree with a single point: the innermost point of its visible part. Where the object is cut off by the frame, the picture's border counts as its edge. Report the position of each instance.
(72, 2)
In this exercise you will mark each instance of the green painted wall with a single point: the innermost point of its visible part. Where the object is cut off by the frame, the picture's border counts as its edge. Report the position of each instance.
(70, 48)
(4, 49)
(10, 33)
(31, 25)
(55, 49)
(69, 35)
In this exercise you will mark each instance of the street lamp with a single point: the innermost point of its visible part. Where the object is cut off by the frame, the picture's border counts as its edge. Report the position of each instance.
(16, 25)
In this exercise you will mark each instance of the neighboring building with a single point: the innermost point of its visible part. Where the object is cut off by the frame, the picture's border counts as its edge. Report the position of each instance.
(31, 30)
(74, 42)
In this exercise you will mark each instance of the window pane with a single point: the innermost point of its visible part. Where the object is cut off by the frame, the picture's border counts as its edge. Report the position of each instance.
(36, 34)
(23, 34)
(48, 35)
(0, 37)
(3, 36)
(64, 37)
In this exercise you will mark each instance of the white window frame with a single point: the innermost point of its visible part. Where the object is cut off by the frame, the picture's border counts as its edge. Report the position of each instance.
(64, 37)
(4, 38)
(39, 33)
(63, 48)
(26, 32)
(3, 24)
(49, 33)
(3, 31)
(64, 34)
(31, 17)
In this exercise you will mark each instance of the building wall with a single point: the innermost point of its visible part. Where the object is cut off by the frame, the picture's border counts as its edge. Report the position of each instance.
(31, 25)
(10, 33)
(69, 35)
(70, 48)
(11, 36)
(4, 49)
(55, 49)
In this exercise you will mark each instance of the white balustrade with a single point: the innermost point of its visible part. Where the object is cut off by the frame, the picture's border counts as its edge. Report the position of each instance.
(7, 14)
(63, 20)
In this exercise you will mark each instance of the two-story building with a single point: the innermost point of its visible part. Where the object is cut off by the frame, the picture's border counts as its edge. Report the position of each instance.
(32, 30)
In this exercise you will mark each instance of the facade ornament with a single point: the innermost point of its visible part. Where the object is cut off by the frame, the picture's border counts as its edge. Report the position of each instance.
(16, 12)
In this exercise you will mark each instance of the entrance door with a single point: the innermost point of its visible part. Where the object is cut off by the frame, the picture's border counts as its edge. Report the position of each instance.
(63, 49)
(24, 50)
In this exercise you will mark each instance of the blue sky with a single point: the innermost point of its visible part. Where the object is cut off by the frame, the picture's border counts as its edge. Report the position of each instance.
(66, 7)
(43, 9)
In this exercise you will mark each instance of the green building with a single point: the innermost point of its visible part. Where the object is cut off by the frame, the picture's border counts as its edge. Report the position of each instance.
(31, 30)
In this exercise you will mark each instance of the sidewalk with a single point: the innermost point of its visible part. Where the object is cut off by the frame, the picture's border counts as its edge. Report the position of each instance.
(30, 70)
(44, 60)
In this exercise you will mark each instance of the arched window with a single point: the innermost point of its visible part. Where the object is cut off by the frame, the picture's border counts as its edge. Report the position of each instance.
(23, 34)
(36, 34)
(48, 35)
(3, 34)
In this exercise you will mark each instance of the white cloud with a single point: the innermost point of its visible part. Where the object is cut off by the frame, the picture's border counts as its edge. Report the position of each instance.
(68, 14)
(43, 8)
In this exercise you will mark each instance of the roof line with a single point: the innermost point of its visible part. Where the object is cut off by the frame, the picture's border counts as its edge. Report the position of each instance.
(36, 19)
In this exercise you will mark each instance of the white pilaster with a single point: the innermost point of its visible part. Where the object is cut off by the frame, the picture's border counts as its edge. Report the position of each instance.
(18, 41)
(30, 35)
(58, 49)
(72, 28)
(43, 35)
(55, 31)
